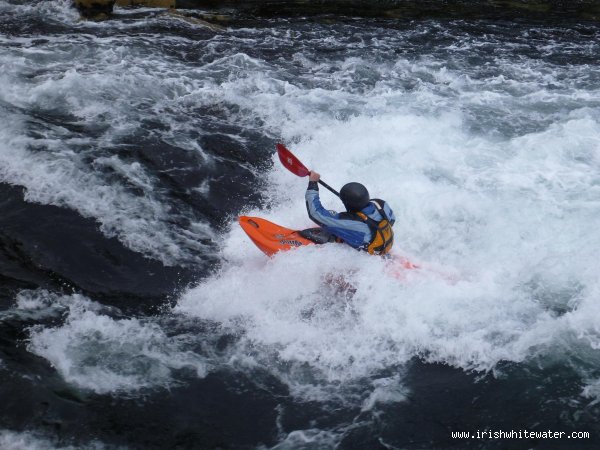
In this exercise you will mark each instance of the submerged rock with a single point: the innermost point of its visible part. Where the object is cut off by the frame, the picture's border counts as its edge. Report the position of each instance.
(149, 3)
(491, 9)
(509, 9)
(95, 9)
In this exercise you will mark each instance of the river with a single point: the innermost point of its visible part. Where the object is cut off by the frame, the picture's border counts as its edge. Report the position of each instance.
(135, 313)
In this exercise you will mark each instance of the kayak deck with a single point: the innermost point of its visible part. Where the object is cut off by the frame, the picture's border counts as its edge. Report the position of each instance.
(270, 237)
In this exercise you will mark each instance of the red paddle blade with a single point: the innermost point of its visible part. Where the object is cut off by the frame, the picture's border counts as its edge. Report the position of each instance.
(290, 162)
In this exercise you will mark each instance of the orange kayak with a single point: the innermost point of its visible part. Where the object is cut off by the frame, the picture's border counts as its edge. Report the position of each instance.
(272, 238)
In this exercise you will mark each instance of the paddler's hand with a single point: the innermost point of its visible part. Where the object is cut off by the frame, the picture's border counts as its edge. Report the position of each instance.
(314, 176)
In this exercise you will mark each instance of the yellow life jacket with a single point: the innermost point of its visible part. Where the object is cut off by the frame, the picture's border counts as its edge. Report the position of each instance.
(383, 235)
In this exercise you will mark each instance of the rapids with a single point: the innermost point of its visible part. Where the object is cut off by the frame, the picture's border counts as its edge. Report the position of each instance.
(136, 313)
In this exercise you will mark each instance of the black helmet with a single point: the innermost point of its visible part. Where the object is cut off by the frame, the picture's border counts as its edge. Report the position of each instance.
(354, 196)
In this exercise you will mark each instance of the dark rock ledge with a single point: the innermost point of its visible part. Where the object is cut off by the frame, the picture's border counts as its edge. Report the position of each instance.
(410, 9)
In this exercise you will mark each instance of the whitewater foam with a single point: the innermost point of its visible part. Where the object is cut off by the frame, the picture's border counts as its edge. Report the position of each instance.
(96, 351)
(311, 439)
(509, 215)
(13, 440)
(490, 166)
(59, 167)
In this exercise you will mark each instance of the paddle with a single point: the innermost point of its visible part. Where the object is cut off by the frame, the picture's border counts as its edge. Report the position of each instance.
(293, 164)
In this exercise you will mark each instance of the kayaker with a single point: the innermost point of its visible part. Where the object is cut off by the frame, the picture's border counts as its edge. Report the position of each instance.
(365, 225)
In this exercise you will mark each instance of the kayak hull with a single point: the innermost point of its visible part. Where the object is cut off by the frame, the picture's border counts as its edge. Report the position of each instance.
(271, 238)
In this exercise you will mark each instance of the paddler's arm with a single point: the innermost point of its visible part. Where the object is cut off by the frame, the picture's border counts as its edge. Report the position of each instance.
(316, 211)
(352, 232)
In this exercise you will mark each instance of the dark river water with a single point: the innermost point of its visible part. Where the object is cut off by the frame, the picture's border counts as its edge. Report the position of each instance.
(136, 314)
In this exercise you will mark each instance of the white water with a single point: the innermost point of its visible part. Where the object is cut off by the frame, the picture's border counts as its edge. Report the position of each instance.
(95, 351)
(515, 214)
(508, 215)
(12, 440)
(511, 205)
(110, 90)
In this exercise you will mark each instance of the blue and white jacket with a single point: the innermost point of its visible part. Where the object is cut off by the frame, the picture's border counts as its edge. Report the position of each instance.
(352, 231)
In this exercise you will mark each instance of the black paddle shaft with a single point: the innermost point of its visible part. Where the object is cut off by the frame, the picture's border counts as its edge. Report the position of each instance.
(326, 186)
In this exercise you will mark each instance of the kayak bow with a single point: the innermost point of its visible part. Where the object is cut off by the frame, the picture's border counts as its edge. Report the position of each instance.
(271, 238)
